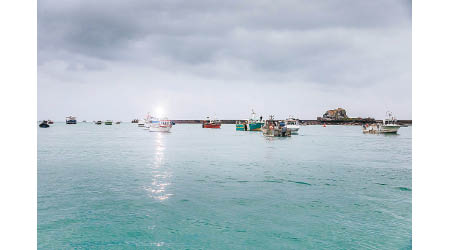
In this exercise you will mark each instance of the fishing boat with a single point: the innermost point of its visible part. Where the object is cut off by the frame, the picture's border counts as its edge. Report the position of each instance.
(159, 125)
(84, 120)
(141, 123)
(71, 120)
(44, 124)
(293, 124)
(98, 122)
(241, 125)
(135, 121)
(108, 122)
(211, 123)
(273, 128)
(50, 122)
(251, 124)
(389, 126)
(118, 122)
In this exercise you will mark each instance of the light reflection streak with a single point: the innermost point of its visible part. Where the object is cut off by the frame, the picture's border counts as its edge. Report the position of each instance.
(160, 176)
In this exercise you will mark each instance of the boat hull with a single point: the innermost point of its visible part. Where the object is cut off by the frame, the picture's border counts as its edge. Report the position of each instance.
(254, 126)
(389, 129)
(294, 128)
(240, 127)
(249, 127)
(71, 122)
(276, 132)
(211, 125)
(381, 129)
(159, 129)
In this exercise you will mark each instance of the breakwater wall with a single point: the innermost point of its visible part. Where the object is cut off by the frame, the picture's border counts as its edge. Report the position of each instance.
(200, 121)
(305, 122)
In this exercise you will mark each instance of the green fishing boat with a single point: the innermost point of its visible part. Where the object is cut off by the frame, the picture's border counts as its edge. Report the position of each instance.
(108, 122)
(252, 124)
(240, 126)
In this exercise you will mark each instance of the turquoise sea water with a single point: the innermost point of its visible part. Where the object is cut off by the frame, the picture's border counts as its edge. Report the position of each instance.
(122, 187)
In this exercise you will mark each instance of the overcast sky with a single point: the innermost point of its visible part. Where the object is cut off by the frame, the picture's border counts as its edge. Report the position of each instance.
(121, 59)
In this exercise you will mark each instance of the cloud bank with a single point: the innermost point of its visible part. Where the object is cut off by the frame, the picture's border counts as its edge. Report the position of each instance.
(122, 59)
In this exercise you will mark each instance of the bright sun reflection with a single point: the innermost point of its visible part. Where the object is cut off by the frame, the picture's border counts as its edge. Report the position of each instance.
(160, 177)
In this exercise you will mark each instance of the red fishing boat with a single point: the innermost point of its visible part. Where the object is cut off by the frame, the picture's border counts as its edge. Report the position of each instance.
(211, 123)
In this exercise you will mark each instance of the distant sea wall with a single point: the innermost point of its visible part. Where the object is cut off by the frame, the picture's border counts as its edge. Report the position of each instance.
(200, 121)
(305, 122)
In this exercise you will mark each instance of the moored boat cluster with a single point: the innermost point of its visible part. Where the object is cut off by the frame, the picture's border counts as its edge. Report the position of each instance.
(269, 127)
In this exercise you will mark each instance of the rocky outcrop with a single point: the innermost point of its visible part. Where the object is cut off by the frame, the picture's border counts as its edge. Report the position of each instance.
(335, 114)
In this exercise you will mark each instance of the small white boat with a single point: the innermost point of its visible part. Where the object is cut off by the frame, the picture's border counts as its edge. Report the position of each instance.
(389, 126)
(159, 125)
(71, 120)
(141, 123)
(293, 124)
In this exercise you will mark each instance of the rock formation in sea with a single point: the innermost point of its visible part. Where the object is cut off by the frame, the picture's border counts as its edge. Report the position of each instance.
(335, 114)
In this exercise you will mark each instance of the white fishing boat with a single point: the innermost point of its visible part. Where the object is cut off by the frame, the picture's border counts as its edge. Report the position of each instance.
(293, 124)
(159, 125)
(389, 126)
(71, 120)
(141, 123)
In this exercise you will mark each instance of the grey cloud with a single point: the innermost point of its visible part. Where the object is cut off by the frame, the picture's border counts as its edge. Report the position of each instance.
(327, 44)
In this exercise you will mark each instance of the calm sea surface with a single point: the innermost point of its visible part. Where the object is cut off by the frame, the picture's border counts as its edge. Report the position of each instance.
(122, 187)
